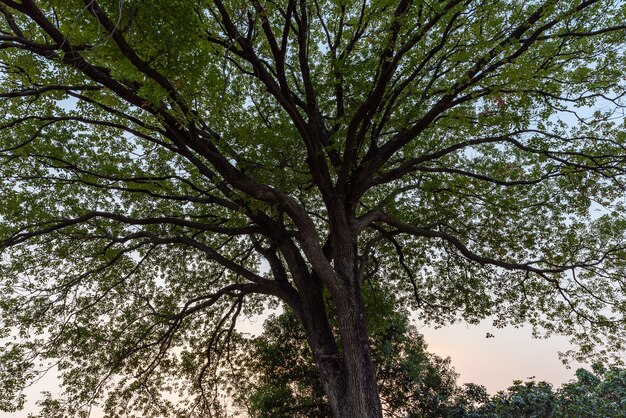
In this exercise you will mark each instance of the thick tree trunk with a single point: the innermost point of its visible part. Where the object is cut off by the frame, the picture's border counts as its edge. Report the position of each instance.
(361, 397)
(324, 347)
(349, 376)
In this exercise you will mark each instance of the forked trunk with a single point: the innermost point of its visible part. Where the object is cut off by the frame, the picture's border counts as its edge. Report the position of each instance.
(345, 366)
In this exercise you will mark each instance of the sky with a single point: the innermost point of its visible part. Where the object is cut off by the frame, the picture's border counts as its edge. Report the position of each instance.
(495, 362)
(492, 362)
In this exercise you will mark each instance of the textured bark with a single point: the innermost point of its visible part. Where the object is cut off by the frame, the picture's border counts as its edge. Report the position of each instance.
(349, 376)
(361, 397)
(354, 391)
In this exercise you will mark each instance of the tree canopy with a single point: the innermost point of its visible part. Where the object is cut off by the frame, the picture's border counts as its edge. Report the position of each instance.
(166, 166)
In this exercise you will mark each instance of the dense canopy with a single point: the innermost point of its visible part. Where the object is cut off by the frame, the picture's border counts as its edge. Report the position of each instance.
(167, 166)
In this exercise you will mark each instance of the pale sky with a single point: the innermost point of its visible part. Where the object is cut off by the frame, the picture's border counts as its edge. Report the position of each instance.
(491, 362)
(495, 362)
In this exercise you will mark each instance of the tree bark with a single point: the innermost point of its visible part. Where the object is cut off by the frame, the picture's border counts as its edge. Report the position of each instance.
(361, 397)
(348, 376)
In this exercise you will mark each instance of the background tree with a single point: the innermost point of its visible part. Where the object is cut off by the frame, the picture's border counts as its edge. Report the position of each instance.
(600, 392)
(597, 393)
(529, 400)
(167, 166)
(273, 375)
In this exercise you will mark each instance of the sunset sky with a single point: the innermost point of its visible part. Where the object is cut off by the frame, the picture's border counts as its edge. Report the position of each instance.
(496, 362)
(492, 362)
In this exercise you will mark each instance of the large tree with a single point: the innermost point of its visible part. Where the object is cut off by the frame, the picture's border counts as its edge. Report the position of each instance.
(167, 166)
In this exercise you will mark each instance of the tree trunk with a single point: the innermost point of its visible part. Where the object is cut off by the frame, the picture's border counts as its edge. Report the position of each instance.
(349, 378)
(347, 372)
(362, 398)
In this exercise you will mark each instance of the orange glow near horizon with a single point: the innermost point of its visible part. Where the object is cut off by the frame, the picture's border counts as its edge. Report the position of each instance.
(512, 354)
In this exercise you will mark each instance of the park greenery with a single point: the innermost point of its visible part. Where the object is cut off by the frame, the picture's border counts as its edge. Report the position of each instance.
(272, 377)
(169, 166)
(600, 392)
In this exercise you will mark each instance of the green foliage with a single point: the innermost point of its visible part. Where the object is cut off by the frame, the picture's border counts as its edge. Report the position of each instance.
(601, 393)
(529, 400)
(594, 394)
(276, 376)
(168, 166)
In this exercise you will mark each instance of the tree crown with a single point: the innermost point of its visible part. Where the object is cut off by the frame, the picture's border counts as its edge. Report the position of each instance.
(167, 166)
